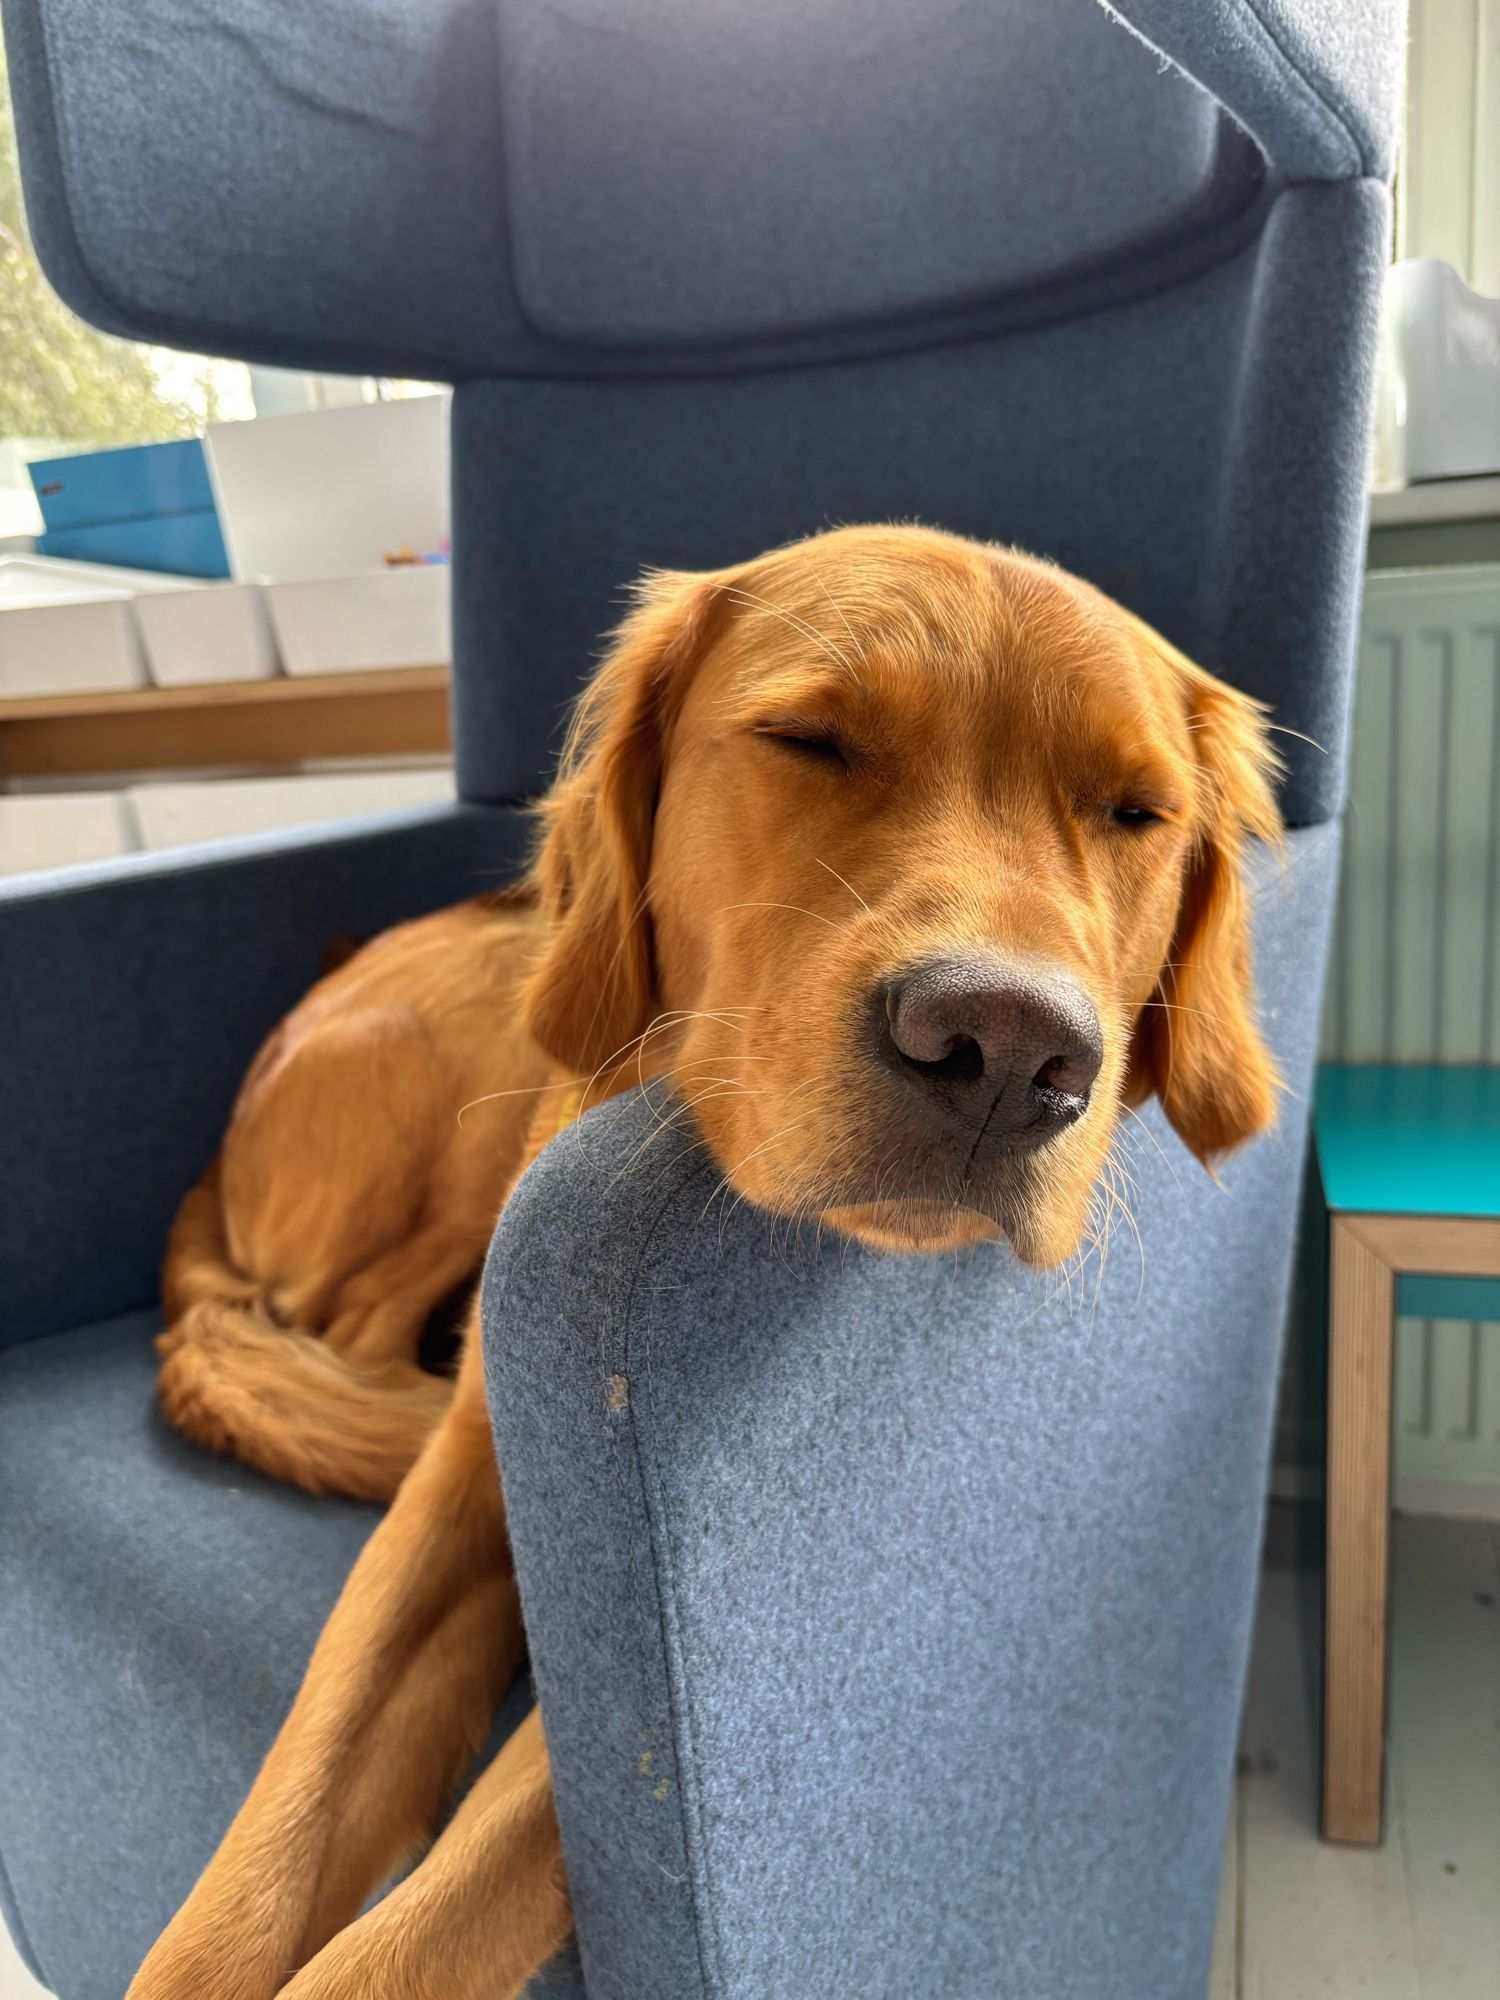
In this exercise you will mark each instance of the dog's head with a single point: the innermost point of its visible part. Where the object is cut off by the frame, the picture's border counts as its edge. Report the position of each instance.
(911, 861)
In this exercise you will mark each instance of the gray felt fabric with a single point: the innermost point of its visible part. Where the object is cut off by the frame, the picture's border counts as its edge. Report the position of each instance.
(890, 1615)
(1317, 81)
(461, 187)
(860, 1571)
(683, 176)
(133, 994)
(1199, 452)
(157, 1607)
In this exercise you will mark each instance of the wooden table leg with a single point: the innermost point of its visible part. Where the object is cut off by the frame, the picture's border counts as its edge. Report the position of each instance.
(1360, 1336)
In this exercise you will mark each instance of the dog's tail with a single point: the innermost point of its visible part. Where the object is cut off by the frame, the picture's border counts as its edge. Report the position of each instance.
(233, 1378)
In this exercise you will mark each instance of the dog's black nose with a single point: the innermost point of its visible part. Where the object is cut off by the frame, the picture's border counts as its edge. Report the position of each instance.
(1011, 1049)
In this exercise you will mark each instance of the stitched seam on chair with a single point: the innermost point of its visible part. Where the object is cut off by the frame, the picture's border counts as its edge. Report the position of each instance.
(1118, 282)
(684, 1748)
(643, 1575)
(1331, 114)
(891, 338)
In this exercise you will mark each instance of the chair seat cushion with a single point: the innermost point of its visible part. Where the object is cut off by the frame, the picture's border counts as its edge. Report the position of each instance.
(157, 1608)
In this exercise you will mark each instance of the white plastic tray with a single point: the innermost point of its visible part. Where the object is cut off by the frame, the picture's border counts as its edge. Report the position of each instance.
(217, 633)
(355, 624)
(58, 829)
(64, 635)
(172, 815)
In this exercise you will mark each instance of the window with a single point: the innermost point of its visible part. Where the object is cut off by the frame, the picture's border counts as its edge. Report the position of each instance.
(1448, 187)
(65, 387)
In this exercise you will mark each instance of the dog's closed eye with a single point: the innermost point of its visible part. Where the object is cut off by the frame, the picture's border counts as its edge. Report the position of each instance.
(807, 741)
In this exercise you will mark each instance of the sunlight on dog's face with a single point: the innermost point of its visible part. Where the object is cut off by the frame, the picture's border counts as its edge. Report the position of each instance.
(911, 861)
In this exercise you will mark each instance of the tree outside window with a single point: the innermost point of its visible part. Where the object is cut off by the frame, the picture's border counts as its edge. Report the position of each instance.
(64, 386)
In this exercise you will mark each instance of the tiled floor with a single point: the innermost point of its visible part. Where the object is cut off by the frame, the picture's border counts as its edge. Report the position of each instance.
(16, 1983)
(1416, 1919)
(1419, 1917)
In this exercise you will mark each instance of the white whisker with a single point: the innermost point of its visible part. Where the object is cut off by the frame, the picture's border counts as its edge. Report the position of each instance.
(848, 885)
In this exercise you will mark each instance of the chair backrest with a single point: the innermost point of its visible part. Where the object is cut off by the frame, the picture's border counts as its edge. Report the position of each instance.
(1199, 451)
(709, 277)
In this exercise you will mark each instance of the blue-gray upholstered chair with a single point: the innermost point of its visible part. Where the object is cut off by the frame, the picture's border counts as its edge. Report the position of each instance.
(920, 1594)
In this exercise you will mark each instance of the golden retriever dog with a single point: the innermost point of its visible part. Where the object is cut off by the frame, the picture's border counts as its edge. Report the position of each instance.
(906, 863)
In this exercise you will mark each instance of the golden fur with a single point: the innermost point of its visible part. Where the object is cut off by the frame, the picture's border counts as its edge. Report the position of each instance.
(788, 781)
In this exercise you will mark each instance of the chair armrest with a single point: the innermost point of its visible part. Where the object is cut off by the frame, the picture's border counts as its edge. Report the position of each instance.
(890, 1614)
(133, 994)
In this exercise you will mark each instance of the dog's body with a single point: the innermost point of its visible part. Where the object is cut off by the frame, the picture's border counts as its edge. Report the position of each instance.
(356, 1189)
(909, 863)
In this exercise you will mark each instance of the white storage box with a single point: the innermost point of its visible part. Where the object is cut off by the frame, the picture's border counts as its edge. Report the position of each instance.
(173, 815)
(57, 829)
(321, 493)
(1439, 414)
(218, 632)
(351, 624)
(64, 634)
(59, 579)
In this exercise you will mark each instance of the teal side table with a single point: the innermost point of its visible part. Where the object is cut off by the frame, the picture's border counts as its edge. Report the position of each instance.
(1410, 1159)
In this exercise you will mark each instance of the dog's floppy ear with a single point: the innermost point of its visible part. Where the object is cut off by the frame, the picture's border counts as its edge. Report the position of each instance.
(1197, 1044)
(592, 991)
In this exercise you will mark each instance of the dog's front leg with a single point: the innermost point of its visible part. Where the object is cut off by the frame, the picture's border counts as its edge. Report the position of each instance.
(486, 1908)
(399, 1693)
